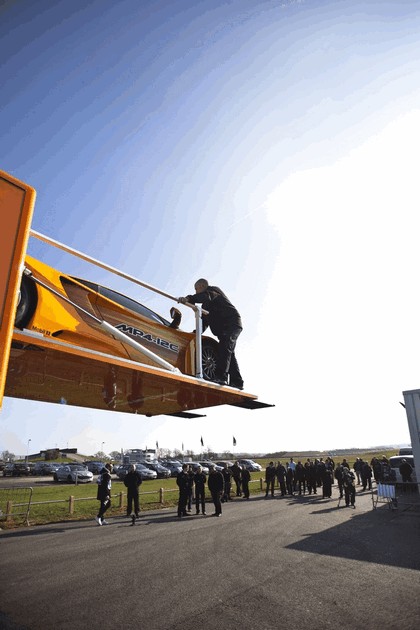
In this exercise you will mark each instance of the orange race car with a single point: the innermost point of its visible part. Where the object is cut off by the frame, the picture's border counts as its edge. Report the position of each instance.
(82, 313)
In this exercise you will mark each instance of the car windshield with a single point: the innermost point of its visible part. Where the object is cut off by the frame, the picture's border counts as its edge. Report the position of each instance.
(124, 301)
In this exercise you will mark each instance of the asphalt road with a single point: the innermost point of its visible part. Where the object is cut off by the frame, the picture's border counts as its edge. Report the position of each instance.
(265, 564)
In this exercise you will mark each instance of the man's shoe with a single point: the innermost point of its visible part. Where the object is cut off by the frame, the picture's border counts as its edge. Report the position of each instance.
(204, 513)
(98, 520)
(219, 381)
(104, 522)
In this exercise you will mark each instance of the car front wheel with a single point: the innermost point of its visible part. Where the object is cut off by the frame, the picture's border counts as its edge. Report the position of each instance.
(209, 359)
(28, 298)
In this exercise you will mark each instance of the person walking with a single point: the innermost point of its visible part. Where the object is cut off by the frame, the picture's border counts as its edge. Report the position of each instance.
(215, 485)
(132, 482)
(104, 493)
(200, 484)
(225, 323)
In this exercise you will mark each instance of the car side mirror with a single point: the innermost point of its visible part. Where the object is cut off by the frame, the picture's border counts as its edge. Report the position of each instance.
(176, 317)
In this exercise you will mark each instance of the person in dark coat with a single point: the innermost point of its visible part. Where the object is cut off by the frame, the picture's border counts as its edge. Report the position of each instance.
(290, 477)
(216, 487)
(338, 474)
(200, 484)
(270, 478)
(357, 469)
(281, 477)
(349, 486)
(132, 482)
(225, 323)
(227, 480)
(366, 475)
(311, 476)
(104, 493)
(237, 476)
(246, 478)
(190, 489)
(300, 477)
(326, 478)
(406, 471)
(183, 481)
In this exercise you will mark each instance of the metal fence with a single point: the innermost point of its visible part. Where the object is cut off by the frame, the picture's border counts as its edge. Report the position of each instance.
(14, 498)
(398, 496)
(15, 502)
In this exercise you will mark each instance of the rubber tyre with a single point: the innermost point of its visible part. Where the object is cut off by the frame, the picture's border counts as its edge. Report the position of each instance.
(209, 359)
(28, 299)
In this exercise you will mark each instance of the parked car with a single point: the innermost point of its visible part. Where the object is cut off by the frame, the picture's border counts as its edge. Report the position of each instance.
(72, 473)
(250, 465)
(41, 310)
(405, 450)
(39, 469)
(395, 463)
(51, 467)
(225, 462)
(161, 471)
(16, 470)
(174, 467)
(95, 467)
(206, 464)
(195, 465)
(146, 473)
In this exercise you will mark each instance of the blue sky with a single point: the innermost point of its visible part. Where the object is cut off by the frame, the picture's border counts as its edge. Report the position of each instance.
(270, 146)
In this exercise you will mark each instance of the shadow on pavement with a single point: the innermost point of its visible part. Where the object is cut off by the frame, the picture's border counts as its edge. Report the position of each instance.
(379, 536)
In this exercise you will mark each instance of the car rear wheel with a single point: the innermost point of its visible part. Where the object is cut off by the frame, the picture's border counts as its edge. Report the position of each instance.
(209, 360)
(28, 298)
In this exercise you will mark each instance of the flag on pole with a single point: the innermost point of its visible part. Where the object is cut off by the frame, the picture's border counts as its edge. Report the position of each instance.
(234, 441)
(157, 444)
(182, 446)
(202, 442)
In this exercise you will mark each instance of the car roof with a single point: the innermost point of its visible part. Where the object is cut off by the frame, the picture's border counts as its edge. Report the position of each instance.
(398, 459)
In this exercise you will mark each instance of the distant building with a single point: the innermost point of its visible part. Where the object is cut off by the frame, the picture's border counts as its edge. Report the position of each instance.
(139, 455)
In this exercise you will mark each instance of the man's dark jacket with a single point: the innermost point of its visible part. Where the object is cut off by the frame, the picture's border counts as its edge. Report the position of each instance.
(132, 480)
(222, 316)
(215, 482)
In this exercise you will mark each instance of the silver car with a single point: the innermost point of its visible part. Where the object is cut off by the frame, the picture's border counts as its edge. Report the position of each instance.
(73, 473)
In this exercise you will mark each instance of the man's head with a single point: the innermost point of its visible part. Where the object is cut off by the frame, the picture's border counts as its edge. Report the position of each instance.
(109, 467)
(132, 468)
(201, 285)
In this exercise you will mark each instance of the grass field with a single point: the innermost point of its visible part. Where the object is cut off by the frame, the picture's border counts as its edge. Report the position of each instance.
(51, 503)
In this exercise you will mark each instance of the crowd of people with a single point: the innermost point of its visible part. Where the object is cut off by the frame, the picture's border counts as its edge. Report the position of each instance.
(312, 477)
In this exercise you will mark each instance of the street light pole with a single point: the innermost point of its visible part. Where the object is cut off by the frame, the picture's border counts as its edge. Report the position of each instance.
(27, 451)
(102, 448)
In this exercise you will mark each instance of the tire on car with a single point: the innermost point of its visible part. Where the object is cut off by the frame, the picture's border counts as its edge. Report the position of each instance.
(28, 299)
